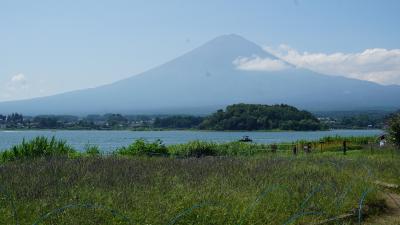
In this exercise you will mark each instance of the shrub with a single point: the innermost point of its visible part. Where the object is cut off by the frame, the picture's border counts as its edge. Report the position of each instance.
(355, 140)
(241, 149)
(38, 147)
(394, 130)
(92, 150)
(142, 147)
(194, 149)
(202, 148)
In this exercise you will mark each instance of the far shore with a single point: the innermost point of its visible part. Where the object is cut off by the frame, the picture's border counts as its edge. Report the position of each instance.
(196, 130)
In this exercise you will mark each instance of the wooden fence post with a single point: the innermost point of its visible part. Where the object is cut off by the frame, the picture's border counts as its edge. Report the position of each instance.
(321, 142)
(274, 147)
(371, 148)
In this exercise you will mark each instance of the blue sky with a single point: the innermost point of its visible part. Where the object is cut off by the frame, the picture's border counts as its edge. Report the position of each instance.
(48, 47)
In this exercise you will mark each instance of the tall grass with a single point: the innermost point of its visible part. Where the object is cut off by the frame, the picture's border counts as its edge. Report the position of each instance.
(362, 140)
(267, 189)
(143, 148)
(92, 150)
(201, 148)
(38, 147)
(182, 189)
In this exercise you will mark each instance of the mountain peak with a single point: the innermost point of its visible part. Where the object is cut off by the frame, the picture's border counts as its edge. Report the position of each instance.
(232, 37)
(225, 49)
(233, 41)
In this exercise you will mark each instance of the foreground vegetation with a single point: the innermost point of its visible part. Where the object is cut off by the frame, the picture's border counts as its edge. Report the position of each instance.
(62, 186)
(44, 147)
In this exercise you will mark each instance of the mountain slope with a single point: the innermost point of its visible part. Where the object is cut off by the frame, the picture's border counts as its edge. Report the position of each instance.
(205, 79)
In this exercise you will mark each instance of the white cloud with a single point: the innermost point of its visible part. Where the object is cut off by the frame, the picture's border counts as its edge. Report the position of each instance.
(257, 63)
(17, 82)
(15, 88)
(18, 78)
(377, 65)
(20, 86)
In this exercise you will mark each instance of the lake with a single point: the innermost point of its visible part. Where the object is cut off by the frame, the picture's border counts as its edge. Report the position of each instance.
(109, 140)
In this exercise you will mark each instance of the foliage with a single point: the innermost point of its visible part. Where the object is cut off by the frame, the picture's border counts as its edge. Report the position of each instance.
(107, 121)
(41, 146)
(394, 129)
(178, 122)
(116, 119)
(92, 150)
(142, 147)
(354, 119)
(194, 149)
(38, 147)
(261, 117)
(47, 122)
(203, 148)
(236, 117)
(362, 140)
(85, 124)
(15, 118)
(362, 121)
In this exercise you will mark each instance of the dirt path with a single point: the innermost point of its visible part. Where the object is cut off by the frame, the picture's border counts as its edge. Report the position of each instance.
(392, 215)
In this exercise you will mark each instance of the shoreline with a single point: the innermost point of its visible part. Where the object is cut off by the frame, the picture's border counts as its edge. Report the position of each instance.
(194, 130)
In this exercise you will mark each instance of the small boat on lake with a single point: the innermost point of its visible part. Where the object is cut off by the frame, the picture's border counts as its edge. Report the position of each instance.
(245, 139)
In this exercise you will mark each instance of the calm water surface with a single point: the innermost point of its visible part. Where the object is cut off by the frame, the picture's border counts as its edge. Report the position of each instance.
(109, 140)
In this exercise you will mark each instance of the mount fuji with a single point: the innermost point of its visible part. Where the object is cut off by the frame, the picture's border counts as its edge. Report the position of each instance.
(206, 78)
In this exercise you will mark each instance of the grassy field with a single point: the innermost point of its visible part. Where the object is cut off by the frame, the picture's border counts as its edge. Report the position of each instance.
(262, 188)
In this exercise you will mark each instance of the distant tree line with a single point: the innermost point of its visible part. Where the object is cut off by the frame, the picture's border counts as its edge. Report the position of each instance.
(107, 121)
(234, 117)
(355, 119)
(178, 122)
(13, 120)
(361, 121)
(393, 129)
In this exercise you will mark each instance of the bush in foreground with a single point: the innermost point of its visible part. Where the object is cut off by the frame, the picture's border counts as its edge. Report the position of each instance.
(141, 147)
(394, 130)
(92, 150)
(203, 148)
(194, 149)
(36, 148)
